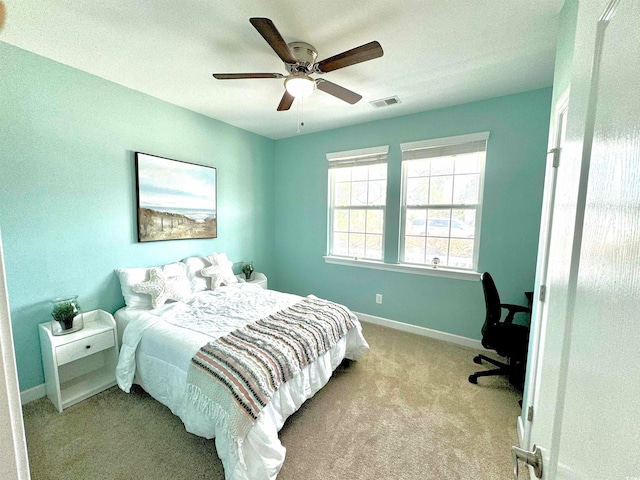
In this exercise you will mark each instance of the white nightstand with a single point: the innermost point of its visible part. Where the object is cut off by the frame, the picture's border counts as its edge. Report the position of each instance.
(256, 277)
(80, 364)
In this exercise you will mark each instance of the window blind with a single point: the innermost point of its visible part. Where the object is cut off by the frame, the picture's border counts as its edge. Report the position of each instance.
(445, 147)
(353, 158)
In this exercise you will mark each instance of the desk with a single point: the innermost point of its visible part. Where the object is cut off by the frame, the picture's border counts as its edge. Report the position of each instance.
(529, 296)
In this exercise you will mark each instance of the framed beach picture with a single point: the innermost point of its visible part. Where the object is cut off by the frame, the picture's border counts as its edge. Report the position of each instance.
(176, 200)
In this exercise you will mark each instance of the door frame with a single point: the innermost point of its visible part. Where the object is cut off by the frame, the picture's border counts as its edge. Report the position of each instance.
(539, 306)
(13, 446)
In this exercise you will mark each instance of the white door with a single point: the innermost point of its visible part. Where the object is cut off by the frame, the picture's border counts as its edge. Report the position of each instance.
(587, 385)
(14, 464)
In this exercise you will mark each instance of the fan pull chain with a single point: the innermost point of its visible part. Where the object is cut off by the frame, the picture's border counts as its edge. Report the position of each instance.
(300, 115)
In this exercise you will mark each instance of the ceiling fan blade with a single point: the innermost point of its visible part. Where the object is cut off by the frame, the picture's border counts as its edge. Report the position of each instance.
(338, 91)
(270, 33)
(236, 76)
(365, 52)
(285, 103)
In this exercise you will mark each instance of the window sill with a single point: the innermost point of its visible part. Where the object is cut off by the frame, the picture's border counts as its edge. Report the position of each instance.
(402, 268)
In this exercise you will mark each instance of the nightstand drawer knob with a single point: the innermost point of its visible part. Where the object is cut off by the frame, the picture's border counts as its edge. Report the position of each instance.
(88, 347)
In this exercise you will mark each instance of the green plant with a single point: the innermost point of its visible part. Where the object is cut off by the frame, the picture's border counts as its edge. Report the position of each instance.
(65, 311)
(247, 269)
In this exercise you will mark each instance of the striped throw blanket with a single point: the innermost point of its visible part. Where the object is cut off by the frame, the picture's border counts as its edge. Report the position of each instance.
(236, 375)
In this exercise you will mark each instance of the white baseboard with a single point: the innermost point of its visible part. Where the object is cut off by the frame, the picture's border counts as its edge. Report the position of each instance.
(32, 394)
(426, 332)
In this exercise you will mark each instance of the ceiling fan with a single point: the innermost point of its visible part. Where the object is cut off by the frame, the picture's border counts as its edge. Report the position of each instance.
(300, 61)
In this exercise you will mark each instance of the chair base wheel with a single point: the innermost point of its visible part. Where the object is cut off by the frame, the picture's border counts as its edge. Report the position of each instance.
(473, 379)
(477, 359)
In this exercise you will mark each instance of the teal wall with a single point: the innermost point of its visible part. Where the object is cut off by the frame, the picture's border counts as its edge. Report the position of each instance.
(67, 199)
(67, 189)
(515, 164)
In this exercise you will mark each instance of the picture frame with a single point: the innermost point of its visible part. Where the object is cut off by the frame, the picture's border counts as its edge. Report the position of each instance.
(176, 200)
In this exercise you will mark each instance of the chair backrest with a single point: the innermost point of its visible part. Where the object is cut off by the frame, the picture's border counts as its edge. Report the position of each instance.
(491, 300)
(508, 339)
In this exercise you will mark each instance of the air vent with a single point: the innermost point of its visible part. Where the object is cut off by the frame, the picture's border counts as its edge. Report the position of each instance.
(385, 102)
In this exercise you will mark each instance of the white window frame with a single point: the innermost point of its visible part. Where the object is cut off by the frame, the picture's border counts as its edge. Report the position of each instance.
(351, 158)
(415, 150)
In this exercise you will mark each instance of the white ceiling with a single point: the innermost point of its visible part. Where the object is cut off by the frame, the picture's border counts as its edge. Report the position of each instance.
(437, 53)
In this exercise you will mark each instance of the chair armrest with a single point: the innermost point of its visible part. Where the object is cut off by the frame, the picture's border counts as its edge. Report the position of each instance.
(513, 309)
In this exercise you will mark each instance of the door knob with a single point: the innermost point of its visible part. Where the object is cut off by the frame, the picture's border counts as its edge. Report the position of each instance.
(533, 459)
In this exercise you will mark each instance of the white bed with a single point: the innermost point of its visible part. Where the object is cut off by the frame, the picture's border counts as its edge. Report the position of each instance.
(159, 343)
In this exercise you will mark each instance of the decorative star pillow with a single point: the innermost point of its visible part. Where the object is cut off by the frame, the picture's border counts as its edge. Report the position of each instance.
(163, 286)
(220, 271)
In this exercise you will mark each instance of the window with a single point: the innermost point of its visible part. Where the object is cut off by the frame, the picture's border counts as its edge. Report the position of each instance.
(357, 199)
(442, 184)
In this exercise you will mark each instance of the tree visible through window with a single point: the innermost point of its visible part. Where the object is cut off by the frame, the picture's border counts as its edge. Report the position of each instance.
(442, 190)
(357, 198)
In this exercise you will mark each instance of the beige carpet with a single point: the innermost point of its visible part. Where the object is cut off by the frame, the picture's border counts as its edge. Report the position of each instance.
(405, 411)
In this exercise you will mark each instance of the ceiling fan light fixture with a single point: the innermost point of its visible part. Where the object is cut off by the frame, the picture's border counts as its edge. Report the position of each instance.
(300, 85)
(299, 60)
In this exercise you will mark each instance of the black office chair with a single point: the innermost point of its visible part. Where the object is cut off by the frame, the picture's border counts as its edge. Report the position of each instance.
(508, 339)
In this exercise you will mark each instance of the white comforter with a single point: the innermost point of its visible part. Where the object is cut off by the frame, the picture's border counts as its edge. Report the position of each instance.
(157, 347)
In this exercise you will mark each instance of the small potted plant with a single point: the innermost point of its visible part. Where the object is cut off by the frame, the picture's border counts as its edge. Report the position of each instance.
(247, 269)
(65, 310)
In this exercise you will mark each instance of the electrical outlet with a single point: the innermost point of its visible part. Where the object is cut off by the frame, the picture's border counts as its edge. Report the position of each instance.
(378, 298)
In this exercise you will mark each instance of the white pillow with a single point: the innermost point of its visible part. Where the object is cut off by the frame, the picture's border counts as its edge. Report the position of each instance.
(220, 272)
(129, 277)
(133, 276)
(166, 283)
(194, 265)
